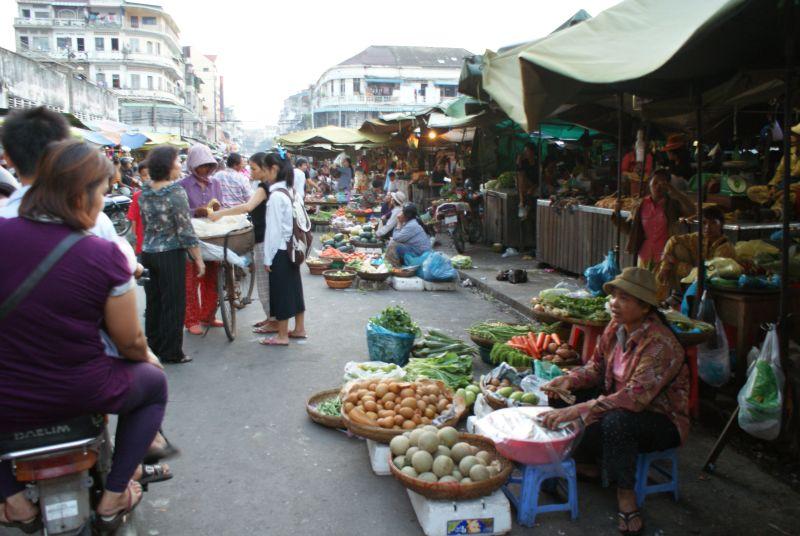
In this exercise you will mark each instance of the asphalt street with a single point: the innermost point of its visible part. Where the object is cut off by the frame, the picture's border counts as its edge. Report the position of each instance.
(253, 463)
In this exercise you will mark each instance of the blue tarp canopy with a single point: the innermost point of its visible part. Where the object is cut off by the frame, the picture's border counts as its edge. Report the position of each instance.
(134, 141)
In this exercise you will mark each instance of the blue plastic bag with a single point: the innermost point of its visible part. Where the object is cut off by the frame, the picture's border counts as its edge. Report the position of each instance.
(388, 346)
(599, 274)
(437, 267)
(413, 260)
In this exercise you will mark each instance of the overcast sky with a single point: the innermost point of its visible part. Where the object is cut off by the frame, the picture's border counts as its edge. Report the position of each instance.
(269, 50)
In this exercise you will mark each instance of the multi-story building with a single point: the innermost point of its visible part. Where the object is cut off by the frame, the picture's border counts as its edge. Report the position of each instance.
(129, 47)
(296, 112)
(385, 79)
(211, 95)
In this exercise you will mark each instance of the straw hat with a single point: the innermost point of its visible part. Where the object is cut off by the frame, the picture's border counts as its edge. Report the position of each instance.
(675, 141)
(399, 198)
(637, 282)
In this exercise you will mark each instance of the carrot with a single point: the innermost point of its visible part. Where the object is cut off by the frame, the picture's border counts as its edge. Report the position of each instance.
(556, 339)
(534, 350)
(540, 340)
(547, 340)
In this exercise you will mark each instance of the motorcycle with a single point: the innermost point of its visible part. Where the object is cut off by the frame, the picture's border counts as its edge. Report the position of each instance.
(474, 220)
(64, 467)
(116, 208)
(450, 217)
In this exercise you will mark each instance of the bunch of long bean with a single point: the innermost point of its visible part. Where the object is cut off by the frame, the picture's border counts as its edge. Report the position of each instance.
(502, 332)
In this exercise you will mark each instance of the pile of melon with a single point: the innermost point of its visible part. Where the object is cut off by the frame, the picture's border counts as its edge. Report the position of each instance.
(434, 455)
(397, 405)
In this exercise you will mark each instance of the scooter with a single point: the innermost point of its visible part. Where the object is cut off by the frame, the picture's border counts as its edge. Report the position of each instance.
(450, 217)
(116, 208)
(474, 223)
(64, 467)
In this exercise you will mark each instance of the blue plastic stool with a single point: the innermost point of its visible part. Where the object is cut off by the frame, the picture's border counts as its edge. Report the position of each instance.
(533, 478)
(643, 465)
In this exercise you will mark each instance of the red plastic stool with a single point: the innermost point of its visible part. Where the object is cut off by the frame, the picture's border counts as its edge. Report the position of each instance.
(590, 335)
(694, 385)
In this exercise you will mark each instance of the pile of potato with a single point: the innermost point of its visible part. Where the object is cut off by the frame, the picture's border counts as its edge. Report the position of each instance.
(396, 405)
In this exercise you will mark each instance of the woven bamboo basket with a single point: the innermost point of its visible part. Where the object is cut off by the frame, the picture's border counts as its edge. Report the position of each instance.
(483, 343)
(385, 435)
(240, 241)
(318, 267)
(489, 396)
(320, 418)
(371, 276)
(330, 275)
(339, 284)
(450, 491)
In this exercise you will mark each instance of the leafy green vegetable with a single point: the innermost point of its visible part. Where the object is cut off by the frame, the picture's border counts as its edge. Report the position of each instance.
(502, 332)
(582, 308)
(453, 369)
(396, 319)
(502, 353)
(331, 407)
(461, 262)
(507, 180)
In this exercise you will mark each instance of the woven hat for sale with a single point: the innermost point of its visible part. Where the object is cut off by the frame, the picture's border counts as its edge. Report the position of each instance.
(637, 282)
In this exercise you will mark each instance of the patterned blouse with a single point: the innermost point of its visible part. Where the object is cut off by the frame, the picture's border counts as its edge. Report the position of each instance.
(643, 371)
(166, 218)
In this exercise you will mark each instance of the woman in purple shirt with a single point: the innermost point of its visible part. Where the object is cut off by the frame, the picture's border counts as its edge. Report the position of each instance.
(53, 365)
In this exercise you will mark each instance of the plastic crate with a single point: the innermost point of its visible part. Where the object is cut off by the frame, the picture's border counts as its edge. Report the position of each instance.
(440, 286)
(407, 283)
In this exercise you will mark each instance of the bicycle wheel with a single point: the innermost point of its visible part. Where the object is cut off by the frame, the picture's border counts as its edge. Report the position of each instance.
(458, 239)
(226, 307)
(247, 283)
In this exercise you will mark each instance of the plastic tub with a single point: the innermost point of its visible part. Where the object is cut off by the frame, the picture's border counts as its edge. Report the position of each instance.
(503, 427)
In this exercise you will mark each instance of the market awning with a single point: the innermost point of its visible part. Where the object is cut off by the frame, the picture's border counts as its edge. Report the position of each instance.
(375, 80)
(332, 135)
(650, 48)
(133, 140)
(161, 138)
(95, 138)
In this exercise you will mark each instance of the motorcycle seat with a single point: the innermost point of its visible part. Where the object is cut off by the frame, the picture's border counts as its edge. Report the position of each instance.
(77, 429)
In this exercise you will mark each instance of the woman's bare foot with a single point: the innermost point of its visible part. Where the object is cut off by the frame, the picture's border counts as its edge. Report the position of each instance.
(626, 503)
(18, 508)
(112, 503)
(159, 442)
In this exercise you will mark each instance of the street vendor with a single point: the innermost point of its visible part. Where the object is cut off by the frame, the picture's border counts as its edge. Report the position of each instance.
(410, 239)
(389, 221)
(655, 220)
(633, 393)
(527, 178)
(680, 253)
(679, 162)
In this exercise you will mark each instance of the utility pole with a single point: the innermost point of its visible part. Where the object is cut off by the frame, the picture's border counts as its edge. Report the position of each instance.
(215, 108)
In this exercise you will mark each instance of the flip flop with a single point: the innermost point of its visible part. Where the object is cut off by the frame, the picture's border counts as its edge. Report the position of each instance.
(179, 361)
(195, 330)
(152, 473)
(213, 324)
(259, 324)
(272, 341)
(261, 330)
(297, 336)
(112, 523)
(627, 518)
(31, 526)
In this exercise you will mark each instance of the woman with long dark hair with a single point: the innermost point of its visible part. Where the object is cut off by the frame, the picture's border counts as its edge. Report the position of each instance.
(257, 207)
(285, 282)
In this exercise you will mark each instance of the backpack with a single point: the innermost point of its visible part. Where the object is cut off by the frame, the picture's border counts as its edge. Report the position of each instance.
(299, 244)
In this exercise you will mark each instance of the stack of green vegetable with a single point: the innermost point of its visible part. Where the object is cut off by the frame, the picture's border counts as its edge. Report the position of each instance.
(331, 407)
(502, 353)
(501, 332)
(439, 357)
(396, 319)
(507, 180)
(590, 308)
(321, 217)
(461, 262)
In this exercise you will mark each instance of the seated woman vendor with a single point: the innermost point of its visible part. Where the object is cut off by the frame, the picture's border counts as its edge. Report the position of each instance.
(680, 253)
(633, 393)
(409, 238)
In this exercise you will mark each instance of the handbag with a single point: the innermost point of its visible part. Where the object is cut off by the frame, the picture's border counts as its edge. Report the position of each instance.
(38, 273)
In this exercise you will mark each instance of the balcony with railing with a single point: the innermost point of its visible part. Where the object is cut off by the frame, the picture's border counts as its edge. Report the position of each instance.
(349, 100)
(57, 23)
(148, 94)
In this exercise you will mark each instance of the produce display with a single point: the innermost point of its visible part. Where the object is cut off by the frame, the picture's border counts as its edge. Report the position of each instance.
(547, 347)
(629, 204)
(469, 393)
(504, 388)
(461, 262)
(452, 369)
(580, 308)
(502, 332)
(434, 455)
(396, 319)
(321, 217)
(502, 353)
(359, 370)
(397, 405)
(338, 241)
(331, 407)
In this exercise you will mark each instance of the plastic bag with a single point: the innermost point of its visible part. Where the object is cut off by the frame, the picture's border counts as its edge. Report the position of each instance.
(761, 397)
(723, 267)
(713, 357)
(481, 408)
(213, 252)
(599, 274)
(747, 250)
(546, 370)
(437, 267)
(358, 370)
(388, 346)
(413, 260)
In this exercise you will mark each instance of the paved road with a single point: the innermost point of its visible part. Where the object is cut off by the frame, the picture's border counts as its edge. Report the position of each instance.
(254, 464)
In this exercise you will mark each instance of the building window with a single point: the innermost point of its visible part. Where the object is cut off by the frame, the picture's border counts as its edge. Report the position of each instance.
(115, 43)
(100, 78)
(149, 47)
(63, 43)
(149, 21)
(448, 91)
(26, 13)
(330, 85)
(149, 82)
(81, 44)
(158, 48)
(134, 21)
(24, 44)
(115, 81)
(99, 44)
(160, 84)
(41, 44)
(341, 86)
(134, 81)
(41, 14)
(356, 86)
(134, 45)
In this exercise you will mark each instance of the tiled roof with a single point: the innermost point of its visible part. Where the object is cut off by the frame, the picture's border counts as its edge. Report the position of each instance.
(409, 56)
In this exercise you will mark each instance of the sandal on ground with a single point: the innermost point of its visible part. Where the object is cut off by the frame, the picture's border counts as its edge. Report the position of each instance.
(155, 455)
(29, 526)
(627, 518)
(293, 336)
(179, 361)
(264, 330)
(197, 329)
(152, 473)
(261, 323)
(272, 341)
(112, 523)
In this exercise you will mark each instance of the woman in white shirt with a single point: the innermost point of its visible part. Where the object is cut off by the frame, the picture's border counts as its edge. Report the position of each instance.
(389, 222)
(285, 281)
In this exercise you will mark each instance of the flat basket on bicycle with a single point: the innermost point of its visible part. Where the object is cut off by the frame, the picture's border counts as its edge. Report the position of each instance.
(240, 241)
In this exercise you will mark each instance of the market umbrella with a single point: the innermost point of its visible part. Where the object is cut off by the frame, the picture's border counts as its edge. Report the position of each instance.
(332, 135)
(133, 140)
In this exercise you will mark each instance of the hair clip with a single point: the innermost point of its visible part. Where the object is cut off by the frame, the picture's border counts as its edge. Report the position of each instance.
(281, 152)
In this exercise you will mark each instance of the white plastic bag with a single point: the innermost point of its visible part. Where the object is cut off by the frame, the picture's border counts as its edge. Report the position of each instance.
(359, 370)
(713, 357)
(213, 252)
(761, 397)
(481, 408)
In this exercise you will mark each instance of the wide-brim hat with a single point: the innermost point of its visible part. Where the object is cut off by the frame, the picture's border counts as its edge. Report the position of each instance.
(675, 141)
(399, 198)
(637, 282)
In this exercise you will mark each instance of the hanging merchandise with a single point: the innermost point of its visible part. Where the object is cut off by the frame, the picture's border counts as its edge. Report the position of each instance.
(600, 274)
(761, 398)
(713, 356)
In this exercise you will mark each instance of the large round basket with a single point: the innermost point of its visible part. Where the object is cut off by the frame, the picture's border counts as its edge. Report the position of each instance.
(385, 435)
(491, 399)
(693, 339)
(455, 490)
(240, 241)
(372, 276)
(318, 267)
(320, 418)
(339, 284)
(330, 275)
(483, 343)
(410, 271)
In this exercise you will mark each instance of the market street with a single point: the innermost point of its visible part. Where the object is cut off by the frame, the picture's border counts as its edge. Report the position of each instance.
(253, 463)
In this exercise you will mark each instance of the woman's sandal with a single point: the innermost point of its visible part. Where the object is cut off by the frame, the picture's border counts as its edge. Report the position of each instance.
(112, 523)
(272, 341)
(155, 455)
(29, 526)
(627, 518)
(152, 473)
(264, 330)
